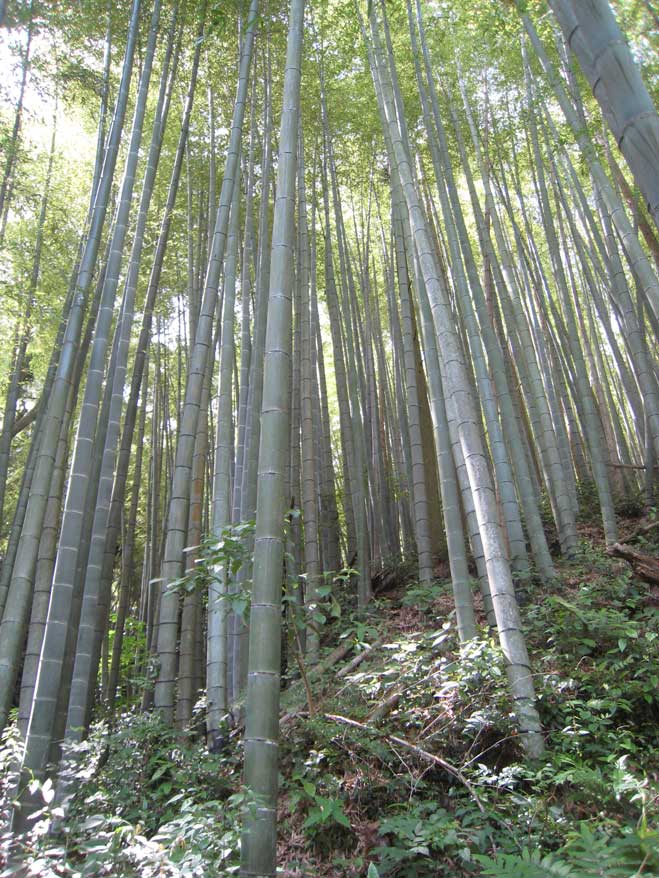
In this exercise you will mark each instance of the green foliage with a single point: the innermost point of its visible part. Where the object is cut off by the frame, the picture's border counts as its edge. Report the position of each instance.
(203, 839)
(146, 764)
(149, 801)
(602, 691)
(220, 560)
(315, 794)
(594, 637)
(478, 677)
(587, 855)
(422, 594)
(422, 834)
(10, 755)
(145, 802)
(133, 653)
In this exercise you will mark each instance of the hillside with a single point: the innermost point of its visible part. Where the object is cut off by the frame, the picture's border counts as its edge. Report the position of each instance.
(405, 761)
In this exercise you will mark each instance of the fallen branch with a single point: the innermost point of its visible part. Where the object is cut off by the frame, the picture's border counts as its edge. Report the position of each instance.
(385, 707)
(395, 692)
(407, 745)
(335, 656)
(25, 420)
(358, 659)
(646, 567)
(643, 530)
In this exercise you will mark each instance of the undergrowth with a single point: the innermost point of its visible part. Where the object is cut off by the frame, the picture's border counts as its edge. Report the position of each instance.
(434, 786)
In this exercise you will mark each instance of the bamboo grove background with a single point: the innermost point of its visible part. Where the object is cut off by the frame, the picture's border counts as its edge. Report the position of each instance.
(381, 279)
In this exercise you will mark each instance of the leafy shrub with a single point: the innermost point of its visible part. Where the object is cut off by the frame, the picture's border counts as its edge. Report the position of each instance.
(423, 595)
(317, 792)
(145, 801)
(587, 855)
(203, 839)
(145, 764)
(422, 834)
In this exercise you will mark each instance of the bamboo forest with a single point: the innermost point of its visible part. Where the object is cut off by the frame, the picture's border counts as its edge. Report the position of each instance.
(329, 438)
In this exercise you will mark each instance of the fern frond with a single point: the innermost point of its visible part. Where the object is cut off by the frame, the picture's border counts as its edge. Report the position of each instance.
(531, 864)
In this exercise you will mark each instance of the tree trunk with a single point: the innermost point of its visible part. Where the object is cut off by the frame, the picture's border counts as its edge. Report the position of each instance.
(18, 599)
(177, 516)
(461, 401)
(607, 63)
(258, 856)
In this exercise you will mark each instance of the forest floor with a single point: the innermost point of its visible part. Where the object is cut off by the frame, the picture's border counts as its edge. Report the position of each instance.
(371, 748)
(401, 757)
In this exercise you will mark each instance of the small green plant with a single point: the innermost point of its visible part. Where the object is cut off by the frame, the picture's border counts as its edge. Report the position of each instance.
(325, 811)
(421, 835)
(220, 559)
(333, 592)
(360, 631)
(423, 595)
(316, 613)
(315, 791)
(322, 810)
